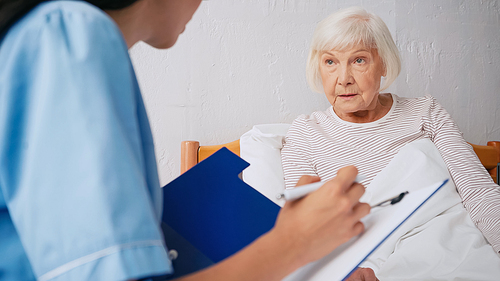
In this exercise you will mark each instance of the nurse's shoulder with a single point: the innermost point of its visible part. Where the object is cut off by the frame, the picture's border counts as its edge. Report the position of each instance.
(75, 34)
(52, 21)
(53, 11)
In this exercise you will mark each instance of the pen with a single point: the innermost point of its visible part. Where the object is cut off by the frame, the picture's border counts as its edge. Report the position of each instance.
(391, 201)
(303, 190)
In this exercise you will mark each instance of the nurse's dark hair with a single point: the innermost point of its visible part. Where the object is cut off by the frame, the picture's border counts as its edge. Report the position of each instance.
(12, 10)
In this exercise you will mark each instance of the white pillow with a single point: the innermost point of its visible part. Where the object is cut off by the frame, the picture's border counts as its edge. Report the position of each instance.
(261, 147)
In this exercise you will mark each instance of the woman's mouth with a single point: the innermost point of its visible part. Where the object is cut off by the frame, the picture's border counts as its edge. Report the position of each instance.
(347, 96)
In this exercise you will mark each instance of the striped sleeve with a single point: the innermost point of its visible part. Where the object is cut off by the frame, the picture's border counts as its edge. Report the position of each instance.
(293, 157)
(480, 195)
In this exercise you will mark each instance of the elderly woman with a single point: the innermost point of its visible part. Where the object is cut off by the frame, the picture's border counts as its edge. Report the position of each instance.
(352, 59)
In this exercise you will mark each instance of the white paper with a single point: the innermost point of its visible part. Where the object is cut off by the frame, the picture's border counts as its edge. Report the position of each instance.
(378, 226)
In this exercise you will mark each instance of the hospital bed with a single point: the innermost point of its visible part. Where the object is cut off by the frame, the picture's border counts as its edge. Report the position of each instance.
(450, 246)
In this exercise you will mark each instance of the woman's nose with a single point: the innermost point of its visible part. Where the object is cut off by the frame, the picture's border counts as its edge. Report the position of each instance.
(345, 76)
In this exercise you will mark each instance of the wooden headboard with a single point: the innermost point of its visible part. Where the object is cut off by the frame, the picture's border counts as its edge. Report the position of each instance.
(192, 153)
(489, 155)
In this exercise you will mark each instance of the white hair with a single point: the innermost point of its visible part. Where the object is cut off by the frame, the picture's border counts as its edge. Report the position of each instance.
(347, 28)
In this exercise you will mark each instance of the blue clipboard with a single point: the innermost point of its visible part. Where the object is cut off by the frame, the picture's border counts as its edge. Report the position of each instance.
(210, 213)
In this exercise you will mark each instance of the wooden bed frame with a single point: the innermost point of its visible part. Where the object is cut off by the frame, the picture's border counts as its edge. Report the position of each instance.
(489, 155)
(192, 153)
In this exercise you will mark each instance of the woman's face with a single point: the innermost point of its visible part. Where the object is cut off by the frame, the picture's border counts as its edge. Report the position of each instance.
(351, 79)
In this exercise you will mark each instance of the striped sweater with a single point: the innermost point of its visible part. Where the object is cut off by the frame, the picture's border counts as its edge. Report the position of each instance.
(321, 143)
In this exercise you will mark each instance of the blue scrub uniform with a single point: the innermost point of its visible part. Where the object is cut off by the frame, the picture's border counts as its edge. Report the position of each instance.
(80, 197)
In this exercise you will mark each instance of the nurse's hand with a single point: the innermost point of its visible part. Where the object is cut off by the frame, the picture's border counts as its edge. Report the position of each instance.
(321, 221)
(363, 274)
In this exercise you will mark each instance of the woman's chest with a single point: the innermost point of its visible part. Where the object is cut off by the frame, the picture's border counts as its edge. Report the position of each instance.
(369, 149)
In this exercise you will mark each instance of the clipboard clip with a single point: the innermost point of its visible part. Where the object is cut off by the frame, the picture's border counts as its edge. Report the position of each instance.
(391, 201)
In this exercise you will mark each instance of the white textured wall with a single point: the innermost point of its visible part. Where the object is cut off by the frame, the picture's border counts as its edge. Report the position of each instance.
(241, 63)
(451, 50)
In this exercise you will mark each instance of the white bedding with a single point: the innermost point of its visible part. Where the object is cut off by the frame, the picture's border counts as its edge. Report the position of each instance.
(440, 242)
(261, 147)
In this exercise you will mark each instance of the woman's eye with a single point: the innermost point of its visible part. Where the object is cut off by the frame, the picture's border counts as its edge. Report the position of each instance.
(329, 62)
(360, 60)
